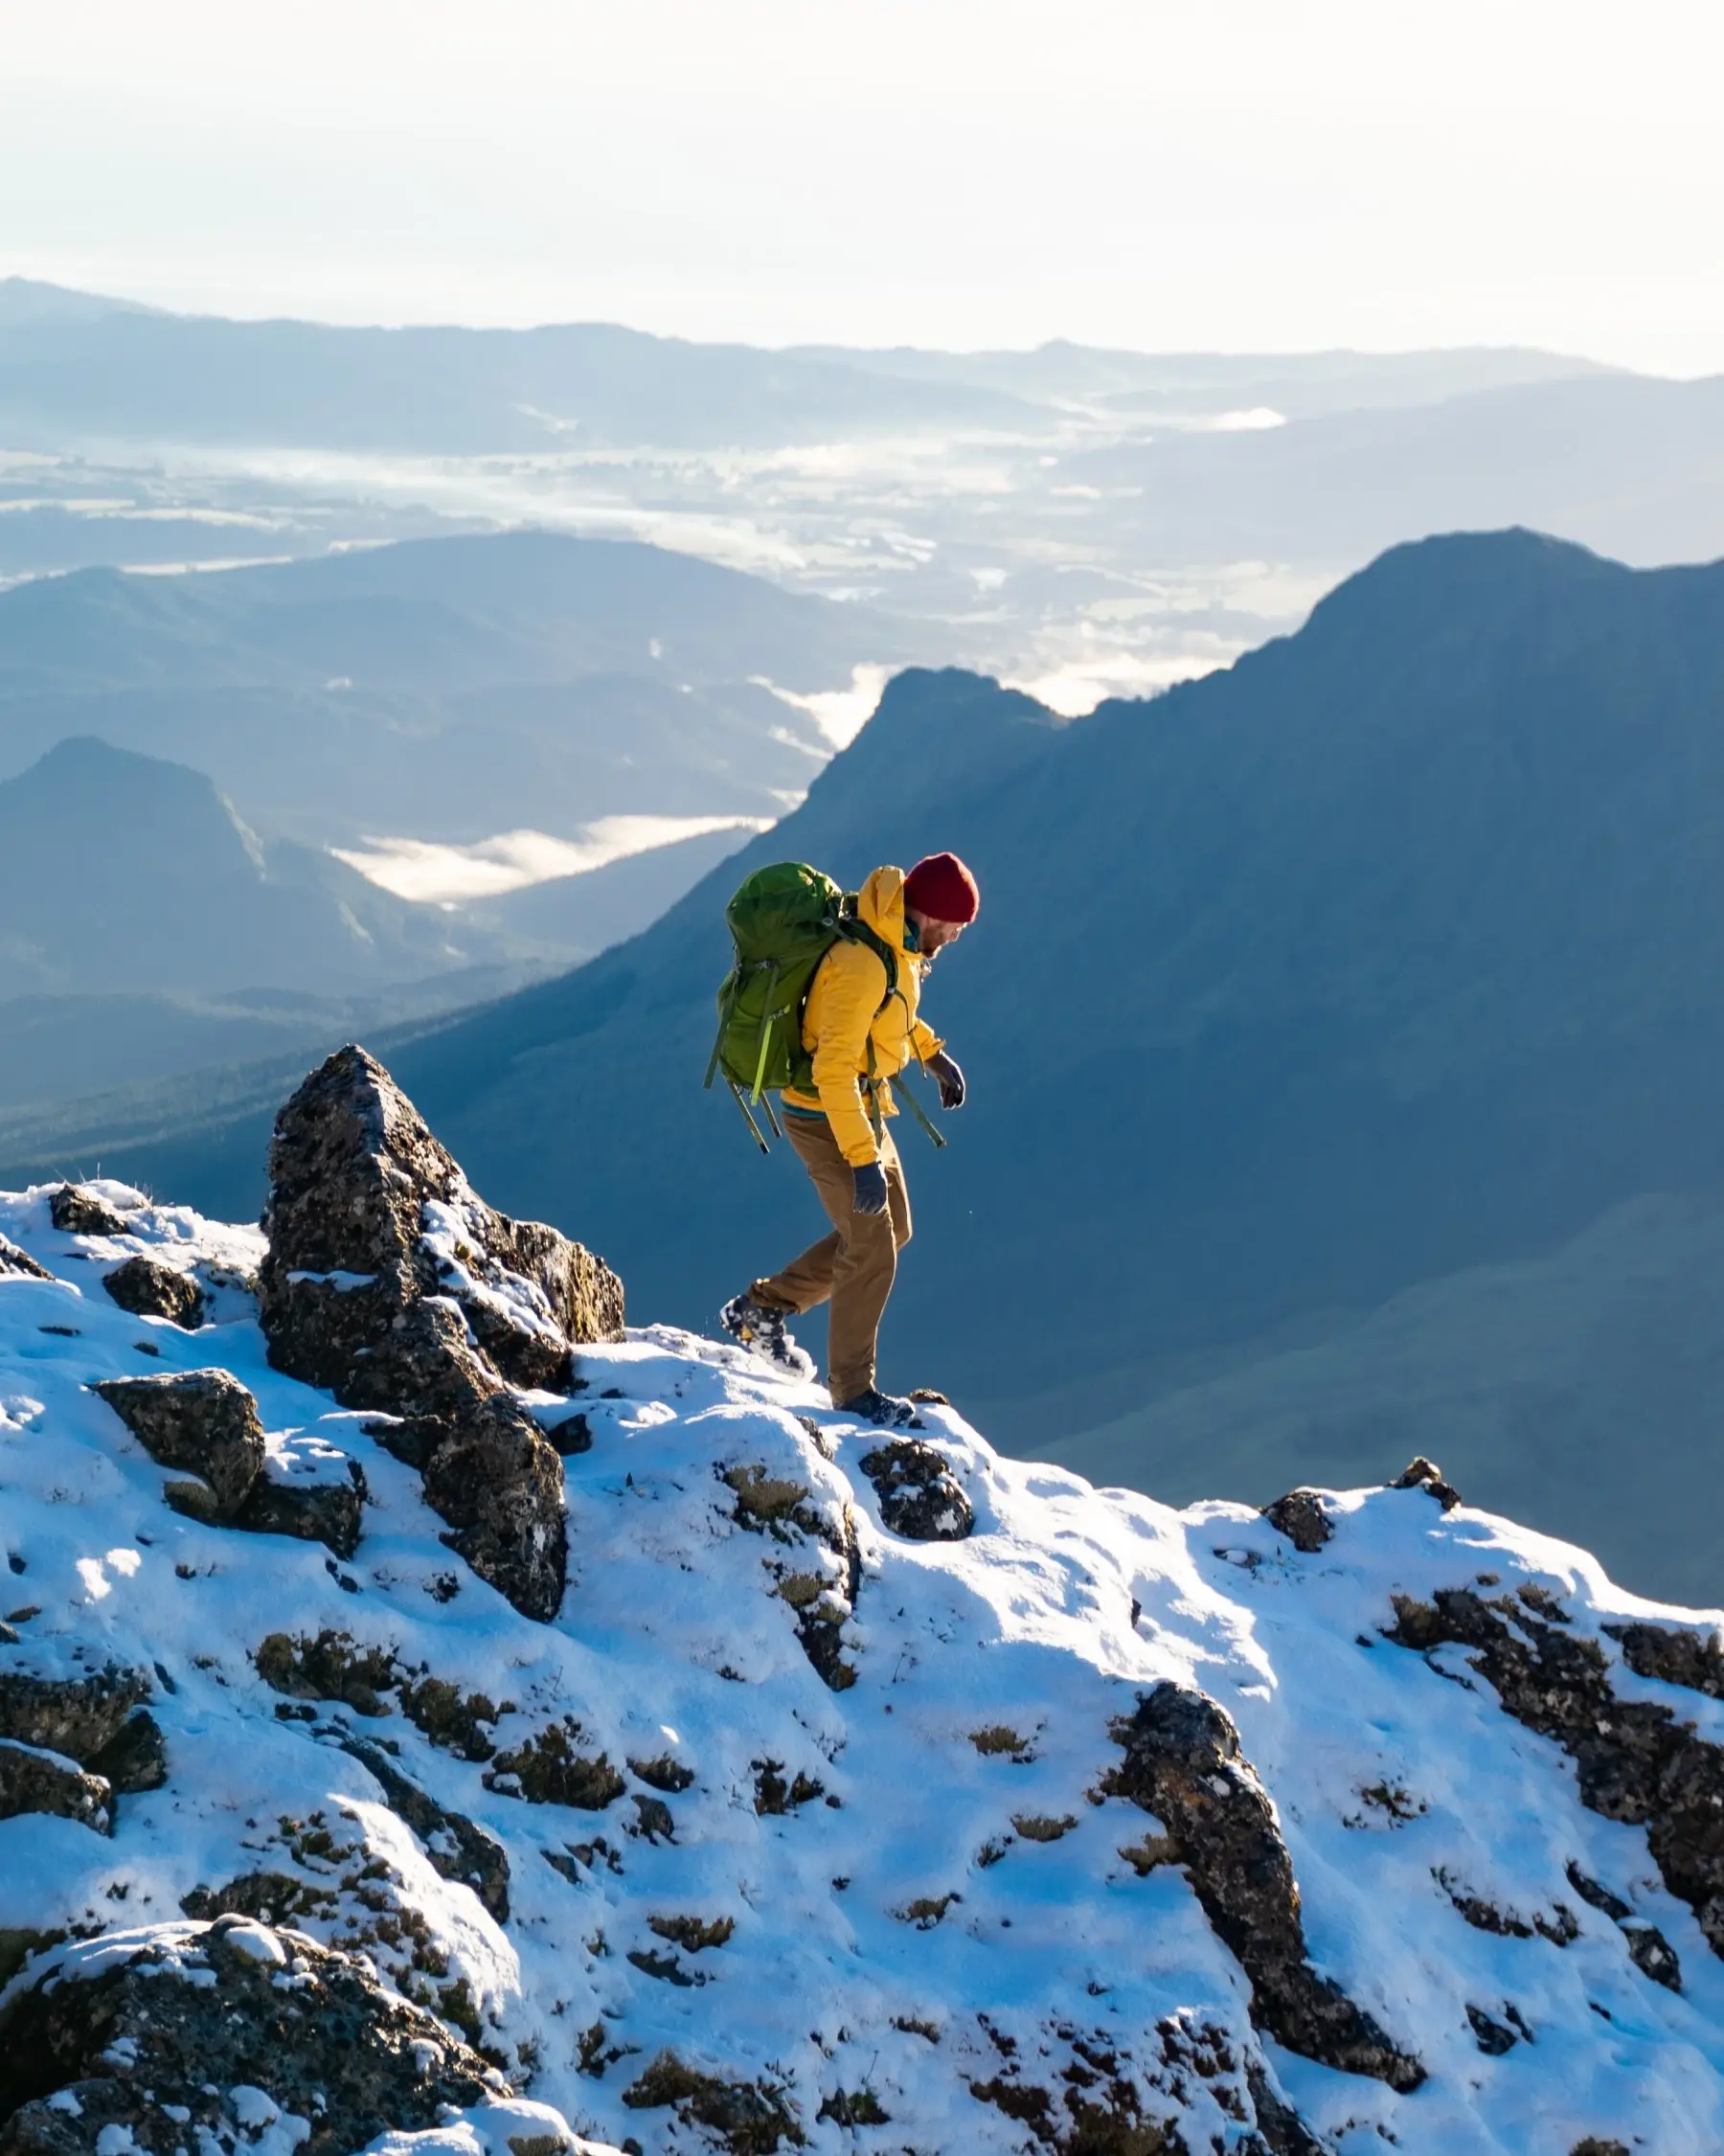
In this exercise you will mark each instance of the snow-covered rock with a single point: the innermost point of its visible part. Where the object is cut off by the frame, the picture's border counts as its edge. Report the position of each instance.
(846, 1801)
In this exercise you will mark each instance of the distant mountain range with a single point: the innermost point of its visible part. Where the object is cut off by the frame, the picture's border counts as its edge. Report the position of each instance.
(1394, 952)
(443, 689)
(77, 368)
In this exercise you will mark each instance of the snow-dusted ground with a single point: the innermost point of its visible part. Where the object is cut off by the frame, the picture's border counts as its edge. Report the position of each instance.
(935, 1916)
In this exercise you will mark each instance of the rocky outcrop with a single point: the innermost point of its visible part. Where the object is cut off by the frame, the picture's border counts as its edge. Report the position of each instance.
(1421, 1473)
(1303, 1517)
(13, 1259)
(1182, 1762)
(42, 1781)
(203, 1421)
(199, 2035)
(1636, 1762)
(149, 1289)
(76, 1715)
(76, 1210)
(920, 1496)
(392, 1285)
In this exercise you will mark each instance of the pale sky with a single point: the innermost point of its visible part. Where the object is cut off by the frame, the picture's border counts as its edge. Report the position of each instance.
(1233, 174)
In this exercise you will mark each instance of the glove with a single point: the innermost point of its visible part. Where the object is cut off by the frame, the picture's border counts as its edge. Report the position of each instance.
(948, 1077)
(871, 1187)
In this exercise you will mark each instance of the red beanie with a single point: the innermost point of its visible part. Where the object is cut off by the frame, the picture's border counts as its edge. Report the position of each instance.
(940, 888)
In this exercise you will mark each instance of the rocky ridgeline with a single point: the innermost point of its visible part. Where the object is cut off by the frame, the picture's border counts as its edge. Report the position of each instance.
(341, 1971)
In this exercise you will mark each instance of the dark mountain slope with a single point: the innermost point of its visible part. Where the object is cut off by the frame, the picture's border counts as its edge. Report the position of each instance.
(1396, 949)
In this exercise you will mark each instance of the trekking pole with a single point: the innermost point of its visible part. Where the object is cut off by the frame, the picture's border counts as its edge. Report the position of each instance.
(737, 1097)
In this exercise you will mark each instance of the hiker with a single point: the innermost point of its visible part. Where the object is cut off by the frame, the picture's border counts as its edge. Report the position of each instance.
(860, 1027)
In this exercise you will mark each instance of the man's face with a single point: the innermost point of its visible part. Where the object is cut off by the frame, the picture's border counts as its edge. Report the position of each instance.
(933, 936)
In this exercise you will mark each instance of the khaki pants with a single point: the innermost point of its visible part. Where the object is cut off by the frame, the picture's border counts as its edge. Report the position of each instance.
(854, 1265)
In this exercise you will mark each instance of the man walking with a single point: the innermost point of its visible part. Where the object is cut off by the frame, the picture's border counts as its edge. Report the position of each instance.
(861, 1029)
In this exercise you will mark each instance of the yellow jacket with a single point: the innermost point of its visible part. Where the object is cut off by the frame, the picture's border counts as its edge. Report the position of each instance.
(844, 1015)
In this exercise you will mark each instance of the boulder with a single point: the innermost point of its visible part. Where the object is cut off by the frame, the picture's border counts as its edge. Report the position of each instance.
(150, 1289)
(77, 1716)
(1182, 1762)
(330, 1512)
(32, 1781)
(13, 1259)
(199, 2034)
(79, 1212)
(203, 1421)
(390, 1282)
(920, 1496)
(1303, 1517)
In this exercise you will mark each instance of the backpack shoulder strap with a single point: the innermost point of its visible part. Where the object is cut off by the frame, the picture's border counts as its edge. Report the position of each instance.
(854, 931)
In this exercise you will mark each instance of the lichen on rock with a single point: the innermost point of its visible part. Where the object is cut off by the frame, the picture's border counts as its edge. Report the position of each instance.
(157, 2031)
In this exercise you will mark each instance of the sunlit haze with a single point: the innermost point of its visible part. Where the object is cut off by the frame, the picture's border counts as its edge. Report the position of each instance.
(1232, 174)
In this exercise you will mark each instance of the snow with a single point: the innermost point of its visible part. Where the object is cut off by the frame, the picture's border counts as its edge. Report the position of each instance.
(935, 1902)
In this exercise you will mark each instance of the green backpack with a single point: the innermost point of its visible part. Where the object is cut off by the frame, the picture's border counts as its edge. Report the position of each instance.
(782, 920)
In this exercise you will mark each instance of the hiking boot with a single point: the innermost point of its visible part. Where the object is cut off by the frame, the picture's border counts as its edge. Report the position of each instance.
(885, 1409)
(765, 1332)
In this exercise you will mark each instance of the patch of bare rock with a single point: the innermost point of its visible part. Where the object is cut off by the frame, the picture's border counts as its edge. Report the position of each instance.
(1637, 1762)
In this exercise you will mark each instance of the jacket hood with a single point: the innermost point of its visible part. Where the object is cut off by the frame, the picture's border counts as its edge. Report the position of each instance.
(881, 905)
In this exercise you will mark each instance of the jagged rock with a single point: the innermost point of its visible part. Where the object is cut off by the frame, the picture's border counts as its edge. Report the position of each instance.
(1637, 1763)
(1421, 1473)
(150, 1289)
(32, 1781)
(13, 1259)
(203, 1421)
(920, 1496)
(360, 1194)
(135, 1759)
(194, 2014)
(1694, 1660)
(1303, 1517)
(77, 1716)
(392, 1285)
(76, 1210)
(1654, 1955)
(1182, 1762)
(456, 1847)
(331, 1513)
